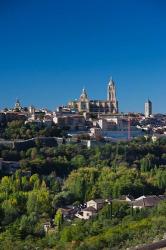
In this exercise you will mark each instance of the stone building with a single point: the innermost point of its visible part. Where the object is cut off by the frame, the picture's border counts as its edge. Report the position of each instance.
(84, 104)
(71, 121)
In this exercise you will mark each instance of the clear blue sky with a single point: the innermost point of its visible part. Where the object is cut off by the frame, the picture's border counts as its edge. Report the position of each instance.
(50, 49)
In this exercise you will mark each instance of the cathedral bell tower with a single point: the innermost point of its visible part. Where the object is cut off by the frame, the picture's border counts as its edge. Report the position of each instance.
(111, 96)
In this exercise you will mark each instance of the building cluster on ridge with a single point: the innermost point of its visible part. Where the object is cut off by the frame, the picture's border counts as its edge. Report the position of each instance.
(89, 116)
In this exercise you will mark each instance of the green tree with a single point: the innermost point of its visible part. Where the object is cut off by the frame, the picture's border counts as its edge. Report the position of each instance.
(58, 220)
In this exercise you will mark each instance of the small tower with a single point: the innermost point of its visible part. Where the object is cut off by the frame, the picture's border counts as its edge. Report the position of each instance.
(148, 108)
(111, 96)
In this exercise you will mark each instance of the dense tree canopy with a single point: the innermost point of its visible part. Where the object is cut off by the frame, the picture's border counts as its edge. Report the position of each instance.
(53, 177)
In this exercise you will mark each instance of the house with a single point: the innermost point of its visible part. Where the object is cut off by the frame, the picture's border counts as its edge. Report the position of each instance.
(147, 201)
(97, 204)
(140, 198)
(92, 208)
(71, 121)
(68, 212)
(127, 198)
(86, 213)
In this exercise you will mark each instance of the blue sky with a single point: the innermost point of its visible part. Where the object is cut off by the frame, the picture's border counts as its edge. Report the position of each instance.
(51, 49)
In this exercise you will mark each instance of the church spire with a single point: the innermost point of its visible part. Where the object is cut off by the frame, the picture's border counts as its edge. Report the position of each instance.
(111, 82)
(111, 94)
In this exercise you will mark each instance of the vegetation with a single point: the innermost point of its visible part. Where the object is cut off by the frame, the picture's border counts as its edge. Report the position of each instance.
(19, 130)
(52, 177)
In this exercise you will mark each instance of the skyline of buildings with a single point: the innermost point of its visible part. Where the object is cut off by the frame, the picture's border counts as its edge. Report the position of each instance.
(86, 104)
(40, 66)
(86, 114)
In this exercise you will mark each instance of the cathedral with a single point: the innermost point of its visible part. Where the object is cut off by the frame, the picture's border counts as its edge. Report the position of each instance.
(84, 104)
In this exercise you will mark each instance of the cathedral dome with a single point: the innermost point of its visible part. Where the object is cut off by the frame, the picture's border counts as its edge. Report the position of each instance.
(84, 95)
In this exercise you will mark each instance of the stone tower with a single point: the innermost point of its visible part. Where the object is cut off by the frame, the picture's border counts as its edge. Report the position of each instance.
(111, 96)
(148, 108)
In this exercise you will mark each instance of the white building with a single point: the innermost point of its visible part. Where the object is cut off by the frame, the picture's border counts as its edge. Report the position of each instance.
(93, 206)
(87, 213)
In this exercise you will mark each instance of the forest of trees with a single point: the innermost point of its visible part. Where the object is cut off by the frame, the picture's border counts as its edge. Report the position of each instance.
(19, 130)
(73, 174)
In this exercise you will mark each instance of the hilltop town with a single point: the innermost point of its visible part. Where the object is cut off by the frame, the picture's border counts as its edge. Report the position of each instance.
(85, 166)
(82, 168)
(95, 120)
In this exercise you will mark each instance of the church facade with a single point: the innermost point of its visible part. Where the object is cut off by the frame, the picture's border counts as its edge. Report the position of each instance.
(84, 104)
